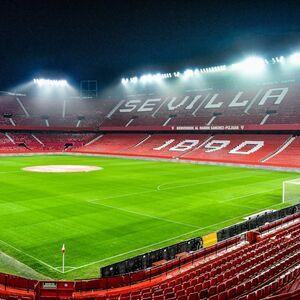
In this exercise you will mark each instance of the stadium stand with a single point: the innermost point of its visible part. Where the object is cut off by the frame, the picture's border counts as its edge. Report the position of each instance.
(258, 149)
(261, 264)
(113, 143)
(155, 145)
(267, 104)
(249, 149)
(239, 125)
(11, 142)
(292, 150)
(274, 104)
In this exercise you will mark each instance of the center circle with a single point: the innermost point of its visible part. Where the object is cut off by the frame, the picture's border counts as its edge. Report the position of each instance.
(62, 169)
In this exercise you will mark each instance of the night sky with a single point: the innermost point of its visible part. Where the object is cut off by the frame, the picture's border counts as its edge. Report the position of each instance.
(106, 40)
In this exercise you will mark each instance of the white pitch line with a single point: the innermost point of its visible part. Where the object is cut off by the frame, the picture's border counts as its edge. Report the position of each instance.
(170, 188)
(134, 250)
(167, 240)
(32, 257)
(241, 205)
(141, 214)
(125, 195)
(248, 195)
(203, 182)
(95, 201)
(66, 267)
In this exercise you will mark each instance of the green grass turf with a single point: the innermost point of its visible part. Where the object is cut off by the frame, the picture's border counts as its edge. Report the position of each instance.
(128, 208)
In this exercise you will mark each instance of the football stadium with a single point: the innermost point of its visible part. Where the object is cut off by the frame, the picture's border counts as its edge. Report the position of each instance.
(180, 184)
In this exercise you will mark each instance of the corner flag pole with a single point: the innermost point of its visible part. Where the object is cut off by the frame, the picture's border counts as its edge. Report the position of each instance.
(63, 249)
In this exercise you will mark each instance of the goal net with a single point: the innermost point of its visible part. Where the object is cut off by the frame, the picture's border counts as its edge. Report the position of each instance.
(291, 191)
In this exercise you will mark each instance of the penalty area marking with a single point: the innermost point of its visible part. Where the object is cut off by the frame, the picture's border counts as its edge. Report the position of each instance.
(61, 169)
(141, 214)
(71, 269)
(159, 187)
(66, 267)
(167, 240)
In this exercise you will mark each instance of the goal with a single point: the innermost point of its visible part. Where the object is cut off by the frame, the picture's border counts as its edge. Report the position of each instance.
(291, 191)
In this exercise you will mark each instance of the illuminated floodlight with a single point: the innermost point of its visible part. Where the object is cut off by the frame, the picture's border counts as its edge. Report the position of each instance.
(166, 75)
(124, 80)
(221, 68)
(188, 73)
(213, 69)
(49, 82)
(277, 60)
(252, 64)
(295, 58)
(146, 78)
(196, 72)
(134, 79)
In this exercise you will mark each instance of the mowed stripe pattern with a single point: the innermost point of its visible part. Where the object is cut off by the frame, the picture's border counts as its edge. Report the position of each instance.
(129, 207)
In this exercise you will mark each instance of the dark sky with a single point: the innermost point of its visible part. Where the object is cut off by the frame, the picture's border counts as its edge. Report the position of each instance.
(105, 40)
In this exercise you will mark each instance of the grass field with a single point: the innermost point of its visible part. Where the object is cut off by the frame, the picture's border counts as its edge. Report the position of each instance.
(129, 207)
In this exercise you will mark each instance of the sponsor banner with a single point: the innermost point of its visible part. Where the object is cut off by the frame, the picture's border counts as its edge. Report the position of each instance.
(250, 127)
(209, 240)
(49, 285)
(226, 127)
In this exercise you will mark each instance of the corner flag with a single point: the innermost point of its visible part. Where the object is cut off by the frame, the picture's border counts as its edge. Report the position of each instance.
(63, 249)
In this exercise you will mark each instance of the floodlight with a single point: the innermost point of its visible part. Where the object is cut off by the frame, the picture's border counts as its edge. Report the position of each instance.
(134, 79)
(158, 77)
(196, 72)
(251, 64)
(146, 78)
(188, 73)
(277, 60)
(295, 58)
(50, 82)
(149, 77)
(124, 80)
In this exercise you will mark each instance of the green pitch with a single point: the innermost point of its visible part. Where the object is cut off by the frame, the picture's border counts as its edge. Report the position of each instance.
(129, 207)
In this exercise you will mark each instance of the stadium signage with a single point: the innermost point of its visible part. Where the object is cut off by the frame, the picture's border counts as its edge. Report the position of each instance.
(244, 148)
(207, 100)
(227, 127)
(49, 285)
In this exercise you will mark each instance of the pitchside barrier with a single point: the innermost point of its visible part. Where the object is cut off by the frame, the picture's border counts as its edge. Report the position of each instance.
(41, 290)
(150, 259)
(209, 239)
(252, 223)
(162, 256)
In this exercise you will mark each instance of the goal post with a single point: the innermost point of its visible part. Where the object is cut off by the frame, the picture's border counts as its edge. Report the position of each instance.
(291, 191)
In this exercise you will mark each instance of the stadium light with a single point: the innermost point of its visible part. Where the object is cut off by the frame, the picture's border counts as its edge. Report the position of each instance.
(251, 64)
(146, 78)
(214, 69)
(188, 73)
(277, 60)
(134, 79)
(124, 80)
(49, 82)
(295, 58)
